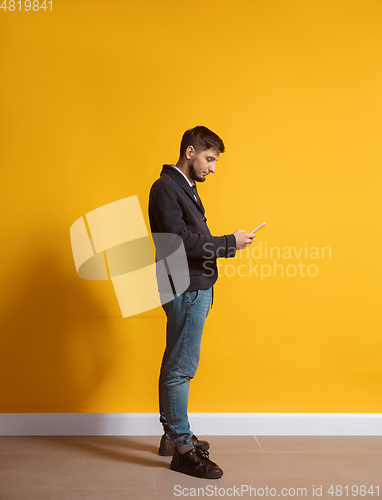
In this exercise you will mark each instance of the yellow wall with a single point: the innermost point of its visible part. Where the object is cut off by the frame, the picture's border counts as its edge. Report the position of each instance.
(95, 97)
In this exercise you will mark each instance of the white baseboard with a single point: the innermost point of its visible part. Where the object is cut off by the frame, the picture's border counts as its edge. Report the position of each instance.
(208, 424)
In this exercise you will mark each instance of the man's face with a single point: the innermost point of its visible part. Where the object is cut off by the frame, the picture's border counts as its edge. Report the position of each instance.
(203, 164)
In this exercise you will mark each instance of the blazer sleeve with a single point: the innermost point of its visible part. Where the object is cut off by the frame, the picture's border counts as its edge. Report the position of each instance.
(168, 217)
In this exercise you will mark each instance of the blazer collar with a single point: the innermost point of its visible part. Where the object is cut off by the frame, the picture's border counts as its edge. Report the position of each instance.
(175, 174)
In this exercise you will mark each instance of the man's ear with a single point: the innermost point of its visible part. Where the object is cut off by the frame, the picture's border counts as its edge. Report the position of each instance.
(190, 151)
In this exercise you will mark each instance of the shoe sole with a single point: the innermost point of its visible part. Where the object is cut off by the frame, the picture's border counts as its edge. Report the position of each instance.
(179, 469)
(166, 452)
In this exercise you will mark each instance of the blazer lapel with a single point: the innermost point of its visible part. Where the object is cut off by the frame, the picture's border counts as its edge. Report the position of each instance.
(168, 169)
(200, 204)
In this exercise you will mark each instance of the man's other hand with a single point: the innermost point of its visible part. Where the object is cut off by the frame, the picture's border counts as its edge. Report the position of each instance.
(243, 239)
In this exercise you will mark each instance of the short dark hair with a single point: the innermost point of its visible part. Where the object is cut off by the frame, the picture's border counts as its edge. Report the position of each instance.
(201, 138)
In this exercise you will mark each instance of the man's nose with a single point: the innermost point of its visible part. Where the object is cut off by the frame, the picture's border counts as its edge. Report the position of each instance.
(212, 167)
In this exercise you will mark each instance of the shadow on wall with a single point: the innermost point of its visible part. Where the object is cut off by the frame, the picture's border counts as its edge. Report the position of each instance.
(54, 354)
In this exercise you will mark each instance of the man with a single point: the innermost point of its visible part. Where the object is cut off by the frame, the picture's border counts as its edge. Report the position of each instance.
(175, 207)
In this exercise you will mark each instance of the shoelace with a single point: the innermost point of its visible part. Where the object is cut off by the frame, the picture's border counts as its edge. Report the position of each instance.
(202, 454)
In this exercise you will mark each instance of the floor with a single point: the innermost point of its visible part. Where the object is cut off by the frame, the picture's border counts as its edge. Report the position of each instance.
(125, 467)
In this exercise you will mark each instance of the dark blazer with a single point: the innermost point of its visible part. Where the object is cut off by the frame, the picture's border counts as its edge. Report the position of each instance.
(173, 209)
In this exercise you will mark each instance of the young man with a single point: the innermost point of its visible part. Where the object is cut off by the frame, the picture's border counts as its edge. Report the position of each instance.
(175, 207)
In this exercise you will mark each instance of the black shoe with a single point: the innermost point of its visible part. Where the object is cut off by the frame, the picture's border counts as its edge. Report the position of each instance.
(167, 446)
(195, 463)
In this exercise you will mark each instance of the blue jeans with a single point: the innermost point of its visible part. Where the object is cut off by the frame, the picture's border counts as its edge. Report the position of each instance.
(185, 321)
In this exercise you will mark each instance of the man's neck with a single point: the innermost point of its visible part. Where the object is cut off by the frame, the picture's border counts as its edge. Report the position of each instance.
(183, 167)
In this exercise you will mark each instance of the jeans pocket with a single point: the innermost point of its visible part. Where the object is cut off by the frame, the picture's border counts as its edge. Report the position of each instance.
(193, 297)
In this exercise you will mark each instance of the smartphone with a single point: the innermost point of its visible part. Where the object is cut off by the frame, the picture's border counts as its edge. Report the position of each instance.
(259, 227)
